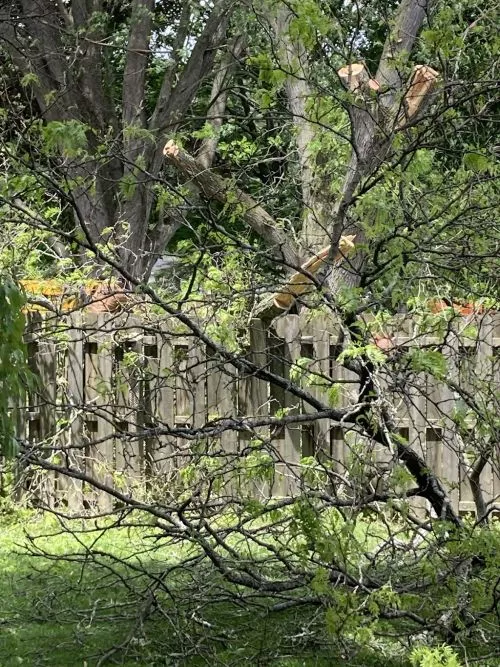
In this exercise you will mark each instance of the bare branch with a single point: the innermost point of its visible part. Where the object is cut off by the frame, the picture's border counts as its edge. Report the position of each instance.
(171, 104)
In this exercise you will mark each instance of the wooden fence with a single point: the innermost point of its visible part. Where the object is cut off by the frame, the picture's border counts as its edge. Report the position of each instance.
(107, 382)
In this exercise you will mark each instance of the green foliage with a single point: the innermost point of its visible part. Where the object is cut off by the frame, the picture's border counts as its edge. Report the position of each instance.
(428, 361)
(440, 656)
(370, 352)
(29, 79)
(132, 132)
(309, 23)
(239, 150)
(67, 137)
(383, 599)
(258, 464)
(334, 394)
(15, 376)
(476, 162)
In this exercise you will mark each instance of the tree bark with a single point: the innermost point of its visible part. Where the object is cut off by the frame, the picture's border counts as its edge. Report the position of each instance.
(172, 104)
(213, 186)
(293, 58)
(374, 123)
(218, 101)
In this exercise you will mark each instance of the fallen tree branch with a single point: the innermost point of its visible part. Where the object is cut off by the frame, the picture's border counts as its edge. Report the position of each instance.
(213, 186)
(303, 280)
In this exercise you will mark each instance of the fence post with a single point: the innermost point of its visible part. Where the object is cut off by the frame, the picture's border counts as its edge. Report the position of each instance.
(253, 395)
(75, 390)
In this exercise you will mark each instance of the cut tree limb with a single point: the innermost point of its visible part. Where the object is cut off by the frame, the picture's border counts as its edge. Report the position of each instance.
(301, 282)
(420, 88)
(213, 186)
(356, 78)
(373, 126)
(398, 46)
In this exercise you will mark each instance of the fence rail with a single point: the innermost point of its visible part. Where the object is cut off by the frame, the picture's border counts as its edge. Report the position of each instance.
(117, 392)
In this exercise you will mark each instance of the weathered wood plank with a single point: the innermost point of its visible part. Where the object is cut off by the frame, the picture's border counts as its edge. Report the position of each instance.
(74, 452)
(288, 330)
(315, 344)
(130, 365)
(253, 399)
(158, 403)
(42, 359)
(99, 397)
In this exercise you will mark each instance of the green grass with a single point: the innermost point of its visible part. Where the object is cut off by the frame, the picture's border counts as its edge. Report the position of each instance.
(53, 609)
(70, 610)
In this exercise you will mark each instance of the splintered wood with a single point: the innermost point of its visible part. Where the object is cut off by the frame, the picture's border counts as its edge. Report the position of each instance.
(300, 282)
(422, 83)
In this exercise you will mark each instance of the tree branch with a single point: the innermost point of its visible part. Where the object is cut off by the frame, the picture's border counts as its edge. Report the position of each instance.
(213, 186)
(218, 101)
(134, 77)
(172, 104)
(398, 47)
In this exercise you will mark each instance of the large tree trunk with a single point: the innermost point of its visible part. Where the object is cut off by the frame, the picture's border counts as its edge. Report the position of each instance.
(293, 59)
(72, 83)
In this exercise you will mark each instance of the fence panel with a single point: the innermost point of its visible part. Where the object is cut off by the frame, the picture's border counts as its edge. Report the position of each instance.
(116, 392)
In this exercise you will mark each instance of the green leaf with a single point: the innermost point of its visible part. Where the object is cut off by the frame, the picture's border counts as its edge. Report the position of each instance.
(334, 394)
(375, 354)
(206, 132)
(15, 375)
(29, 79)
(476, 162)
(428, 361)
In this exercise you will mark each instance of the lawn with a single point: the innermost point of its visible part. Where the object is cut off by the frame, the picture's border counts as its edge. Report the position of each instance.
(71, 609)
(57, 608)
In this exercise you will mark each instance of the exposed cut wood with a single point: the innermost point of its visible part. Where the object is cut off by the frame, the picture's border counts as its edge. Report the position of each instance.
(463, 309)
(300, 282)
(356, 77)
(422, 83)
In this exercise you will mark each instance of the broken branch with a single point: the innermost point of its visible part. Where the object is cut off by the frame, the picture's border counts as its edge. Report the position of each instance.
(213, 186)
(301, 282)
